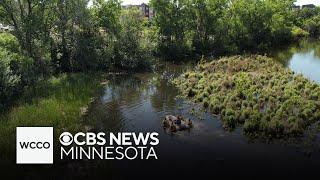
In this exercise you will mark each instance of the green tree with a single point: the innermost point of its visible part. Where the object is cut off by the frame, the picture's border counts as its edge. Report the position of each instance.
(207, 19)
(256, 24)
(73, 36)
(31, 21)
(16, 70)
(129, 50)
(106, 15)
(282, 21)
(308, 20)
(173, 21)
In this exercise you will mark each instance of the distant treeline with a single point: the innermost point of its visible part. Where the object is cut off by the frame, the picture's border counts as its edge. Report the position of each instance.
(51, 37)
(220, 27)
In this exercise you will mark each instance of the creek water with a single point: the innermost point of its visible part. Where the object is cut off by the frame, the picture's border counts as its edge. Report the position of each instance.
(303, 58)
(138, 103)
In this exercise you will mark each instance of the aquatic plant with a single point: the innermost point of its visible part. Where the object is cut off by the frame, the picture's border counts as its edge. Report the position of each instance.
(256, 92)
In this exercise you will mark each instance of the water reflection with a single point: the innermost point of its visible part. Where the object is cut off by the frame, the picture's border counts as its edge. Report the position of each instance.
(303, 58)
(136, 102)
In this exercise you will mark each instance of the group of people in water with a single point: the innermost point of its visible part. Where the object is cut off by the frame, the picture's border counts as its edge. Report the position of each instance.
(176, 123)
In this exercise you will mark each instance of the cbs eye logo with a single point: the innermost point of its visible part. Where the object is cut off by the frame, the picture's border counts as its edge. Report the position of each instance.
(66, 138)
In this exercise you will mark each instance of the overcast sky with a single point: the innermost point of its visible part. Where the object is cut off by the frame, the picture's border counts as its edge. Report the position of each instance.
(134, 1)
(299, 2)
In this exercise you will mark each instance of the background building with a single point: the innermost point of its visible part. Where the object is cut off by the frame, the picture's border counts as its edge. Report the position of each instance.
(310, 6)
(146, 10)
(4, 28)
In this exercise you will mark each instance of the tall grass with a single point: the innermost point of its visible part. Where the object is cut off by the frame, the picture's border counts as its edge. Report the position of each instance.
(55, 102)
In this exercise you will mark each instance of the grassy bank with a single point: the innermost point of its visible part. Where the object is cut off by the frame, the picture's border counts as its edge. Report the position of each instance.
(55, 102)
(256, 92)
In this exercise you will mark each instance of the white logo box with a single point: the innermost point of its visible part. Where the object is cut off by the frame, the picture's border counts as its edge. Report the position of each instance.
(38, 145)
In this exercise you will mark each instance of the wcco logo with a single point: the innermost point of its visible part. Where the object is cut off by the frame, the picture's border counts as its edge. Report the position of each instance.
(34, 145)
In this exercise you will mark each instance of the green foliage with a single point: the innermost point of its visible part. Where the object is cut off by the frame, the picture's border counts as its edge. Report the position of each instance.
(73, 44)
(218, 27)
(255, 91)
(52, 102)
(173, 23)
(308, 19)
(129, 51)
(31, 21)
(312, 25)
(255, 25)
(107, 14)
(207, 20)
(16, 72)
(73, 36)
(299, 33)
(9, 42)
(8, 80)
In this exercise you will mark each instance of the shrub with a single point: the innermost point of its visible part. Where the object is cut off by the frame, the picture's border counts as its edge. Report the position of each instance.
(9, 42)
(16, 70)
(313, 26)
(299, 33)
(8, 80)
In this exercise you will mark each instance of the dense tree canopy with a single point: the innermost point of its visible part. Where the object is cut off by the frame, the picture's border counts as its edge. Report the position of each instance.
(222, 26)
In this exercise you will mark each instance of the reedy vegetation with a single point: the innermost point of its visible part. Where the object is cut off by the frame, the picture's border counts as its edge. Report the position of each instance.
(55, 101)
(255, 92)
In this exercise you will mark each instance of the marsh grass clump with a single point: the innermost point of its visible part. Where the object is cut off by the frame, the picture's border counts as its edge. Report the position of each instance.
(256, 92)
